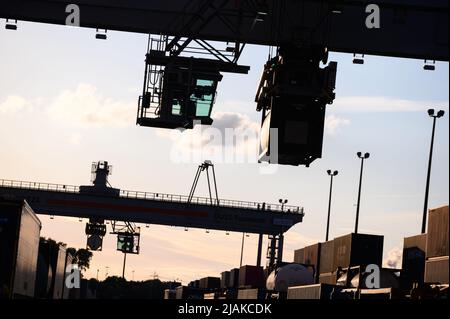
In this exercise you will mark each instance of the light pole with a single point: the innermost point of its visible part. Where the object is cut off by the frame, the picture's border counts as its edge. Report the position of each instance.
(362, 157)
(435, 116)
(331, 174)
(242, 249)
(283, 202)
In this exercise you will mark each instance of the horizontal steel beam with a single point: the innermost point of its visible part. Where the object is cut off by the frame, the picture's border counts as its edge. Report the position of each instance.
(160, 212)
(409, 28)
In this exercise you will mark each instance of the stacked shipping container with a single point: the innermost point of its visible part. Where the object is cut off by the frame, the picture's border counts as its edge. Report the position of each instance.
(19, 244)
(437, 252)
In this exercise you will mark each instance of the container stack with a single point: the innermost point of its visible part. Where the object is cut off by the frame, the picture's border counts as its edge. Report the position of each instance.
(327, 271)
(437, 255)
(19, 245)
(413, 261)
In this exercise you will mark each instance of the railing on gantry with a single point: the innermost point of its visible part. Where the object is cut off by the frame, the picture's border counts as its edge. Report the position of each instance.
(157, 197)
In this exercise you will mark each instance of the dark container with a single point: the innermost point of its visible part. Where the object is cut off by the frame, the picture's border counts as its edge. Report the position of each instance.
(225, 279)
(327, 257)
(69, 261)
(380, 294)
(436, 270)
(185, 293)
(437, 239)
(251, 277)
(299, 256)
(358, 249)
(312, 257)
(413, 261)
(251, 294)
(315, 292)
(328, 278)
(234, 278)
(19, 245)
(50, 271)
(209, 283)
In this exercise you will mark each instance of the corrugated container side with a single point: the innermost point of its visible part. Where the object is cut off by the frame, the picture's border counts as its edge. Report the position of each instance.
(69, 261)
(311, 292)
(438, 236)
(209, 283)
(252, 294)
(251, 276)
(19, 246)
(312, 255)
(413, 261)
(418, 241)
(328, 278)
(358, 249)
(183, 292)
(436, 270)
(234, 278)
(299, 256)
(225, 279)
(60, 272)
(327, 257)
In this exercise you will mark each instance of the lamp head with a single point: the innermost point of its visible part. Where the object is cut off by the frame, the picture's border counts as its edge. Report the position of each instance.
(367, 155)
(335, 173)
(359, 154)
(329, 172)
(440, 114)
(431, 112)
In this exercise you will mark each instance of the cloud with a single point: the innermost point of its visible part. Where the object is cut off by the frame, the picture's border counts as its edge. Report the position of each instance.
(14, 104)
(384, 104)
(394, 258)
(333, 124)
(232, 135)
(87, 107)
(74, 139)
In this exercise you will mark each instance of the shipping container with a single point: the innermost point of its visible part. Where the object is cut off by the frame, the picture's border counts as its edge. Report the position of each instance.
(299, 256)
(413, 261)
(252, 294)
(69, 261)
(19, 246)
(170, 294)
(225, 279)
(315, 292)
(51, 270)
(251, 277)
(358, 249)
(234, 278)
(184, 293)
(209, 283)
(328, 278)
(436, 270)
(312, 258)
(327, 257)
(210, 296)
(437, 234)
(382, 294)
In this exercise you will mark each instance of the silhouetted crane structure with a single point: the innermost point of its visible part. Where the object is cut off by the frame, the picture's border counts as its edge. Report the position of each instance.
(191, 43)
(186, 58)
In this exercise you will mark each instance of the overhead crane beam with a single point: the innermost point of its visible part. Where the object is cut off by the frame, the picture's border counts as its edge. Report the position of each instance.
(153, 208)
(409, 28)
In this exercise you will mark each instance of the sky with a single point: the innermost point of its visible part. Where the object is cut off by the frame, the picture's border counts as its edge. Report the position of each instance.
(67, 100)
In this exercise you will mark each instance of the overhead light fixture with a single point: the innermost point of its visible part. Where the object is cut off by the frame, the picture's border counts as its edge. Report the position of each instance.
(101, 35)
(358, 59)
(11, 24)
(429, 65)
(260, 16)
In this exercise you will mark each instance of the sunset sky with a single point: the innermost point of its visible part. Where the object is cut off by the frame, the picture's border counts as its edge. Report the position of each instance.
(67, 100)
